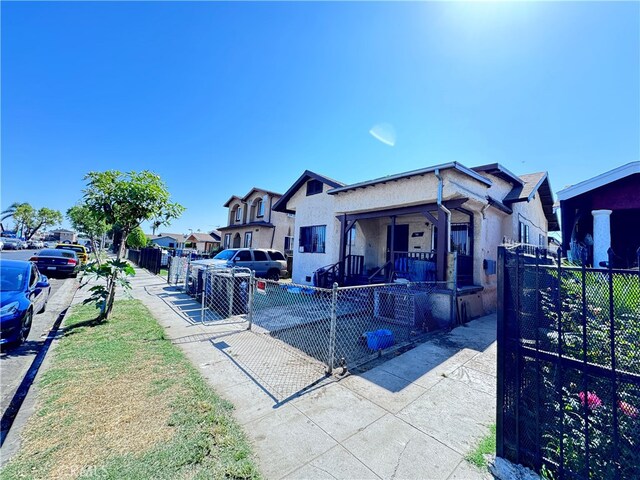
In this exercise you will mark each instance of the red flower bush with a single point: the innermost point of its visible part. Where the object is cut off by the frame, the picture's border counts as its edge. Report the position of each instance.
(592, 400)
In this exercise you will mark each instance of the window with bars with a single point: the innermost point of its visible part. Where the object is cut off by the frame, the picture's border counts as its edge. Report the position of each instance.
(523, 233)
(312, 239)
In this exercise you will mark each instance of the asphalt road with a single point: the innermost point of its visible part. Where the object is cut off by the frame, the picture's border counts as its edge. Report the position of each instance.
(15, 362)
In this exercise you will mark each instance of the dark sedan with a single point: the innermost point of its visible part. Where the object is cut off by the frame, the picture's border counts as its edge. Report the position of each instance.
(24, 291)
(56, 262)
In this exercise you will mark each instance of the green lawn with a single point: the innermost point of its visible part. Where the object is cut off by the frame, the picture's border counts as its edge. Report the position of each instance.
(486, 446)
(120, 401)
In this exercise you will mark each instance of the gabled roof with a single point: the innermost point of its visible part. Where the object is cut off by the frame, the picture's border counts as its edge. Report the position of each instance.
(413, 173)
(233, 197)
(175, 236)
(535, 183)
(499, 171)
(215, 234)
(281, 205)
(202, 237)
(255, 189)
(599, 181)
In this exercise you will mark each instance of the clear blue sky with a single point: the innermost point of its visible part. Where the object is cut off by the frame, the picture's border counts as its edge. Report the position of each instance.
(220, 97)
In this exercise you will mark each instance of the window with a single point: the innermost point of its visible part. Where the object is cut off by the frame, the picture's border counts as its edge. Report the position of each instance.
(260, 206)
(314, 187)
(276, 255)
(523, 234)
(227, 240)
(312, 239)
(243, 256)
(460, 239)
(260, 256)
(238, 214)
(247, 239)
(288, 244)
(351, 237)
(542, 241)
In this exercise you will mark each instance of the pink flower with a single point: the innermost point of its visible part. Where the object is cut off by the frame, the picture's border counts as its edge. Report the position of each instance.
(592, 399)
(628, 409)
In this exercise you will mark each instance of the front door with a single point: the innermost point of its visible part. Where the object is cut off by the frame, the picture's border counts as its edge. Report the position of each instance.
(400, 240)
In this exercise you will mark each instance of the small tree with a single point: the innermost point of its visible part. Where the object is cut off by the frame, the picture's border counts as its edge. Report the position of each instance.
(127, 200)
(137, 238)
(88, 222)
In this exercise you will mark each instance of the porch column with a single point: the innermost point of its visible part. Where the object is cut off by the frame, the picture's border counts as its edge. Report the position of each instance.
(601, 236)
(443, 246)
(392, 247)
(341, 256)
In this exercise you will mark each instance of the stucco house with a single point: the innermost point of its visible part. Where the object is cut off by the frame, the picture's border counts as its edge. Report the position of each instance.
(436, 223)
(600, 213)
(254, 223)
(204, 242)
(63, 236)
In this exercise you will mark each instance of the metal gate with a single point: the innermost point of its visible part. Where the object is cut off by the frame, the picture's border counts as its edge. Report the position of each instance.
(178, 269)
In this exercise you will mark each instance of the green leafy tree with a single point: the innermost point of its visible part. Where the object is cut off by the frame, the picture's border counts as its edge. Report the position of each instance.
(127, 200)
(137, 238)
(9, 211)
(28, 220)
(88, 222)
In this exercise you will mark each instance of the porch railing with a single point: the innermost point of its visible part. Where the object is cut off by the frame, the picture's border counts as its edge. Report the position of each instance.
(353, 266)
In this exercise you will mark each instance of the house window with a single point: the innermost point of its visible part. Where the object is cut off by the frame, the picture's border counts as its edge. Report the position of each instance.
(247, 239)
(227, 240)
(260, 208)
(288, 244)
(312, 239)
(460, 239)
(314, 187)
(523, 233)
(238, 214)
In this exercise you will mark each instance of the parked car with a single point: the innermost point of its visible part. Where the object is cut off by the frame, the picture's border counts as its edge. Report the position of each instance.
(35, 244)
(266, 263)
(13, 244)
(80, 250)
(1, 245)
(24, 291)
(57, 261)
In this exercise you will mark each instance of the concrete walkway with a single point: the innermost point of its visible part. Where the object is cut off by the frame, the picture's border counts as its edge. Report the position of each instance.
(414, 416)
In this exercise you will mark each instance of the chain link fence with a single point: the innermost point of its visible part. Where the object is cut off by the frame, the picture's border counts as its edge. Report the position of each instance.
(568, 367)
(178, 271)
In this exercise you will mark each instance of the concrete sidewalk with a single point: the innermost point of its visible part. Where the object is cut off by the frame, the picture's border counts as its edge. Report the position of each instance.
(414, 416)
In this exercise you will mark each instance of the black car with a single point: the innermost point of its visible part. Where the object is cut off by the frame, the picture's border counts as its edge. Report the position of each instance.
(56, 262)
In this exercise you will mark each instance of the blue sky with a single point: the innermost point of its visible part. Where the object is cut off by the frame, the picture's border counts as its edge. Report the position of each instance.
(220, 97)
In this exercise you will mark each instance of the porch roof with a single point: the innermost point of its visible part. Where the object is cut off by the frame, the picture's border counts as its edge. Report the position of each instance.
(413, 173)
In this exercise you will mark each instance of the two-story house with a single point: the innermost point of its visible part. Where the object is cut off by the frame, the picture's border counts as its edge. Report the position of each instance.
(253, 223)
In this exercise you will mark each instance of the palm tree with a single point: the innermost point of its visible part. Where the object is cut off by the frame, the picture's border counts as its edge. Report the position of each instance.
(155, 225)
(9, 211)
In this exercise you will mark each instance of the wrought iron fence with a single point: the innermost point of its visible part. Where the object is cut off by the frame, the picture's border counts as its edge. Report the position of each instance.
(149, 258)
(568, 367)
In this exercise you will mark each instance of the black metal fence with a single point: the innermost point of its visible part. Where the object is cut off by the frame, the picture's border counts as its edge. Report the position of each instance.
(568, 399)
(149, 258)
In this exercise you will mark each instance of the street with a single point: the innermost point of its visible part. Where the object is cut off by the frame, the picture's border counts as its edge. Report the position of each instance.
(15, 362)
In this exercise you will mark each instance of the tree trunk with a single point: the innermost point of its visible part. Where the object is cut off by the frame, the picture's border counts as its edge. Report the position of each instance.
(92, 239)
(113, 281)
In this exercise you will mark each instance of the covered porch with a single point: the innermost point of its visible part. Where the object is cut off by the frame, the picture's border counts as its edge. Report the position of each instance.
(430, 242)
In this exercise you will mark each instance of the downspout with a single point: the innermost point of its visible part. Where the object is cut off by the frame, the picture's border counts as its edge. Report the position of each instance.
(453, 311)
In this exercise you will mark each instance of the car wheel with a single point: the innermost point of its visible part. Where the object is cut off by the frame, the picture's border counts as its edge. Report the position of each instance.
(25, 327)
(273, 275)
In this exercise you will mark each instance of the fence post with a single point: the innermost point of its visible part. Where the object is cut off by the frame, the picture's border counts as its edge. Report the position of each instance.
(500, 337)
(332, 328)
(559, 387)
(612, 333)
(204, 289)
(251, 291)
(518, 352)
(230, 292)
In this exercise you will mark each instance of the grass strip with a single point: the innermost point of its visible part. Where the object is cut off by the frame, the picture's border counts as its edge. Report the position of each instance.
(121, 401)
(486, 446)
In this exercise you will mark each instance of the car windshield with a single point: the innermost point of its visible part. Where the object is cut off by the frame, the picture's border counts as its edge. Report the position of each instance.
(70, 247)
(225, 255)
(12, 279)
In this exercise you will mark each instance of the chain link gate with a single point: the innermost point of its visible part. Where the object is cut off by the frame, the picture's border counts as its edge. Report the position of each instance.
(178, 270)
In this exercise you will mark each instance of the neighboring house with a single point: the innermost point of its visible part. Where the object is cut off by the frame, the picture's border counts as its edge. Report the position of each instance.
(203, 242)
(254, 223)
(168, 240)
(408, 225)
(63, 236)
(600, 213)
